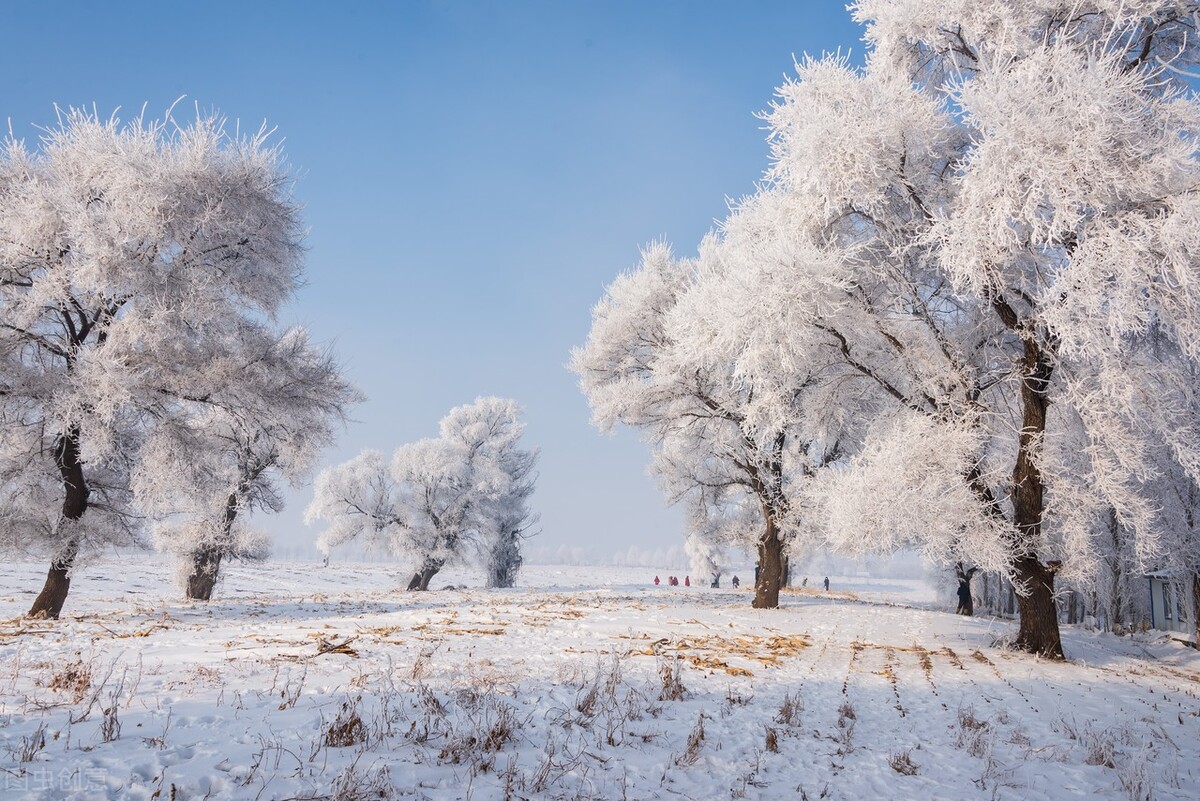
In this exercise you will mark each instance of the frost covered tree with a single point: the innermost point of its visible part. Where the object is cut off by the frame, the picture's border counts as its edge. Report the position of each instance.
(967, 253)
(265, 408)
(650, 363)
(1016, 185)
(436, 496)
(124, 248)
(490, 431)
(1073, 221)
(510, 519)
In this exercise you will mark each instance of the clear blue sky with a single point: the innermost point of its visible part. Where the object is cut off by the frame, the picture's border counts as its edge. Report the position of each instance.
(473, 174)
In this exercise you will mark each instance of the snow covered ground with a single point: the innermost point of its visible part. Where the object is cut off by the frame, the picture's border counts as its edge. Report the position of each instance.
(310, 682)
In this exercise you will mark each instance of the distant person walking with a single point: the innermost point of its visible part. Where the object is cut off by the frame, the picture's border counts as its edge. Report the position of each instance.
(687, 581)
(737, 582)
(827, 584)
(656, 581)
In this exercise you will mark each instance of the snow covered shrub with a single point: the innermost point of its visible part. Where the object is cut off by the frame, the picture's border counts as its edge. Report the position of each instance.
(790, 709)
(974, 735)
(485, 730)
(1135, 776)
(670, 676)
(347, 727)
(1098, 746)
(691, 751)
(356, 784)
(902, 763)
(73, 678)
(30, 745)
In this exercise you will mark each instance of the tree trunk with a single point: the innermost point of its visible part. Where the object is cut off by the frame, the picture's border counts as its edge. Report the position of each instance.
(770, 561)
(420, 580)
(206, 561)
(1039, 619)
(50, 600)
(1039, 615)
(53, 596)
(966, 604)
(1196, 608)
(206, 564)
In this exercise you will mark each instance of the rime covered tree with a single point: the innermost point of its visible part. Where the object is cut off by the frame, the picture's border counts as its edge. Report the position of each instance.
(959, 278)
(437, 496)
(650, 362)
(124, 250)
(1071, 222)
(265, 408)
(1026, 177)
(490, 431)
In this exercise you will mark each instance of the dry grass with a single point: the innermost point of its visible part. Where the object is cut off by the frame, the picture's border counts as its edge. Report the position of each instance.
(347, 728)
(691, 752)
(902, 763)
(711, 651)
(672, 684)
(74, 679)
(789, 710)
(817, 592)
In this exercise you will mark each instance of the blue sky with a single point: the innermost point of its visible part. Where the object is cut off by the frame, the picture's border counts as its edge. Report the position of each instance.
(472, 173)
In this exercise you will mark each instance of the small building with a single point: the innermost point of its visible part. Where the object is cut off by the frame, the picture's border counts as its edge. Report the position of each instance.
(1171, 603)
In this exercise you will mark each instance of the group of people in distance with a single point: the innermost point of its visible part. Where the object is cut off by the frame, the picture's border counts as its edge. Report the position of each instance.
(673, 581)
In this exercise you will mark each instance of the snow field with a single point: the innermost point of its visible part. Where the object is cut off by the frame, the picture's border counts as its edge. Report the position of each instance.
(303, 682)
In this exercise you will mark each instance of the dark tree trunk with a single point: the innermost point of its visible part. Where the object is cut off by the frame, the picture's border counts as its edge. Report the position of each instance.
(966, 603)
(768, 484)
(206, 562)
(53, 596)
(1196, 607)
(1039, 618)
(770, 562)
(420, 580)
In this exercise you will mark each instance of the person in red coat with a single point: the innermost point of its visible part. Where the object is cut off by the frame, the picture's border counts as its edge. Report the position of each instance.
(656, 581)
(687, 581)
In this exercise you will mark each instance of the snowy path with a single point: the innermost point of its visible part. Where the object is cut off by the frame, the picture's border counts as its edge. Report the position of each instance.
(566, 693)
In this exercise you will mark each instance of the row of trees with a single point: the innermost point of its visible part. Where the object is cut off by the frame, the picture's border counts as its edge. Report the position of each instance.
(145, 387)
(144, 383)
(464, 493)
(961, 313)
